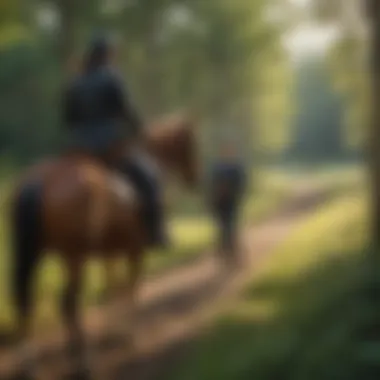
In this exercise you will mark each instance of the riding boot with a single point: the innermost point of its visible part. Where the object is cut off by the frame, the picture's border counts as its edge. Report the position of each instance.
(148, 188)
(155, 220)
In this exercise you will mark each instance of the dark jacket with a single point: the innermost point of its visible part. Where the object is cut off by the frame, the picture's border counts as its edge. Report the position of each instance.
(228, 183)
(97, 110)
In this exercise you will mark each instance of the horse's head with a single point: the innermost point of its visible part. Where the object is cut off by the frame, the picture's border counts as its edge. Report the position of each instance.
(186, 153)
(174, 144)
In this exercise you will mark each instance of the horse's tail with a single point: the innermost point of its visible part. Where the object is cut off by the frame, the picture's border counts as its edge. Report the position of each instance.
(26, 230)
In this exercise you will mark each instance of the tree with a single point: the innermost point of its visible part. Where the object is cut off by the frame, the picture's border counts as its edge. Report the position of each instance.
(318, 129)
(373, 8)
(210, 56)
(351, 31)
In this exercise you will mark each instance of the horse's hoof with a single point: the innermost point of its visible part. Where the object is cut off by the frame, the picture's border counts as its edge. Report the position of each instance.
(110, 342)
(130, 341)
(73, 350)
(80, 374)
(102, 299)
(22, 375)
(49, 355)
(8, 339)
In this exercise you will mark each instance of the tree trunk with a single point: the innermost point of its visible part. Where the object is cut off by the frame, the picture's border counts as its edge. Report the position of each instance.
(374, 135)
(372, 333)
(67, 33)
(152, 76)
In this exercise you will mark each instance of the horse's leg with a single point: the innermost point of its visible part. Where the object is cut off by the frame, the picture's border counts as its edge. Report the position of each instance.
(135, 269)
(24, 307)
(70, 312)
(110, 283)
(114, 287)
(26, 230)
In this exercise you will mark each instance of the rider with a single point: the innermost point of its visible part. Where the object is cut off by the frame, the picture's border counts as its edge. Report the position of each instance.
(228, 182)
(99, 114)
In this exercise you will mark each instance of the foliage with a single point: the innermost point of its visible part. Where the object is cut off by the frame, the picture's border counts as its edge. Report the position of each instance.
(349, 75)
(206, 56)
(348, 63)
(297, 317)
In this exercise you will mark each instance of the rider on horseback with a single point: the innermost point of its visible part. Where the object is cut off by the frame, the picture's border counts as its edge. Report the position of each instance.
(100, 115)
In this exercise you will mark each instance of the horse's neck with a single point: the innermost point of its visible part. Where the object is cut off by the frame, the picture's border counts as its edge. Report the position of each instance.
(153, 149)
(77, 156)
(87, 158)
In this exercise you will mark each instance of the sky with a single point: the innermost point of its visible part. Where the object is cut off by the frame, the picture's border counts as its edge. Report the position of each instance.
(308, 39)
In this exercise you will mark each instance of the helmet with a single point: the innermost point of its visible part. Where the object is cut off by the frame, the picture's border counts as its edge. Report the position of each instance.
(98, 51)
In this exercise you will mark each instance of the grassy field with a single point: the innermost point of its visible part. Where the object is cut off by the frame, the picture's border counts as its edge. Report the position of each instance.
(192, 231)
(296, 319)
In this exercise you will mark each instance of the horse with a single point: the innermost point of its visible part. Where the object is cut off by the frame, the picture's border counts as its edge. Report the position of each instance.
(77, 207)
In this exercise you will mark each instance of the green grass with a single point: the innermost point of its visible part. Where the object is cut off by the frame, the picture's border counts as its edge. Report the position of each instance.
(296, 318)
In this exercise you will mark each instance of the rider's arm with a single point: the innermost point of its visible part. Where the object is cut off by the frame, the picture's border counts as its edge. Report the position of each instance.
(125, 106)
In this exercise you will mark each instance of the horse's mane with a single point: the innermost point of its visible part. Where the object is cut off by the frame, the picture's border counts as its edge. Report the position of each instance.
(169, 124)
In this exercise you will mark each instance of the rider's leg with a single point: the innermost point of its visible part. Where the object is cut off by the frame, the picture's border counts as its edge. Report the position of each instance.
(231, 230)
(227, 228)
(148, 186)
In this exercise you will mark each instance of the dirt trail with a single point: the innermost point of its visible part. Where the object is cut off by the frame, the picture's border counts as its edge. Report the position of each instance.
(174, 307)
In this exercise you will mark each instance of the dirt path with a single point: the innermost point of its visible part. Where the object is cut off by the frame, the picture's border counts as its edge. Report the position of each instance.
(174, 307)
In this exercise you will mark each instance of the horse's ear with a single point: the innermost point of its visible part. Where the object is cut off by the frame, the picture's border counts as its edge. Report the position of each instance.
(192, 117)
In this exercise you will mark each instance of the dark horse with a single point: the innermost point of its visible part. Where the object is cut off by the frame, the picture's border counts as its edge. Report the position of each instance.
(78, 207)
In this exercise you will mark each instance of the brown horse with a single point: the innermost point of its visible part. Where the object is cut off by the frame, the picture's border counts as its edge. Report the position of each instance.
(78, 207)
